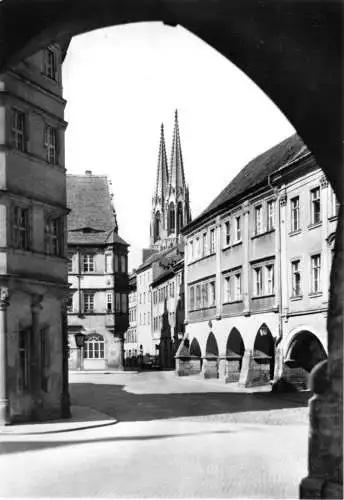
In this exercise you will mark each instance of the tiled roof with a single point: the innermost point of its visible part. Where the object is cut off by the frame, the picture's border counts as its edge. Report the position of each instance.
(256, 172)
(92, 218)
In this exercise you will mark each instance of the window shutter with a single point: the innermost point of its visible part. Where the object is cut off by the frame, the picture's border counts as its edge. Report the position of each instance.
(45, 135)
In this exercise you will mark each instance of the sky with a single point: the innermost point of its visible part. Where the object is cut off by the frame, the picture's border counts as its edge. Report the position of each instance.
(121, 83)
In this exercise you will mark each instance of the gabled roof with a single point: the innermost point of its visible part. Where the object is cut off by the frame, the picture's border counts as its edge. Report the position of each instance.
(92, 219)
(255, 173)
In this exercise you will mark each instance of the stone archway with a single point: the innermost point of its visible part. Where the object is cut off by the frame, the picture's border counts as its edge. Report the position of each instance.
(230, 364)
(293, 51)
(195, 357)
(305, 351)
(264, 353)
(211, 357)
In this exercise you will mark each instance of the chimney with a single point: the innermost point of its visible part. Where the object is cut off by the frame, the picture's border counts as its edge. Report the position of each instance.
(88, 172)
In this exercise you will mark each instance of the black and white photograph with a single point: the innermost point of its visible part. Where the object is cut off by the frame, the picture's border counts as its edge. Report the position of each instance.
(171, 249)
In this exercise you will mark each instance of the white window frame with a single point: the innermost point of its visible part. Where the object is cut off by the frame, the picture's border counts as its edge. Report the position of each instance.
(19, 129)
(270, 215)
(258, 219)
(228, 289)
(108, 263)
(295, 214)
(51, 144)
(237, 286)
(88, 302)
(296, 271)
(21, 228)
(212, 241)
(238, 228)
(227, 233)
(315, 198)
(53, 235)
(269, 279)
(88, 263)
(109, 302)
(258, 281)
(315, 274)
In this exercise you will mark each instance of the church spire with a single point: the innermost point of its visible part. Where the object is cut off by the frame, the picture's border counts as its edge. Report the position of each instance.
(176, 174)
(162, 171)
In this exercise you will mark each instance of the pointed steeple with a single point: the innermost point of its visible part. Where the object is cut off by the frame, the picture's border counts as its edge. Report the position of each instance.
(162, 170)
(176, 173)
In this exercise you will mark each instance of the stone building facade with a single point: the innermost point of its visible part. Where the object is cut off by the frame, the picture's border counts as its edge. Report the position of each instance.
(132, 349)
(98, 275)
(33, 379)
(257, 273)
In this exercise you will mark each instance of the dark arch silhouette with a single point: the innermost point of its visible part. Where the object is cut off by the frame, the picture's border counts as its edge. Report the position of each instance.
(195, 349)
(211, 347)
(180, 219)
(264, 347)
(157, 223)
(305, 351)
(235, 344)
(171, 218)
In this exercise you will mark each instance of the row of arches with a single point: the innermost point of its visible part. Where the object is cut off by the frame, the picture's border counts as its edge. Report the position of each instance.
(303, 353)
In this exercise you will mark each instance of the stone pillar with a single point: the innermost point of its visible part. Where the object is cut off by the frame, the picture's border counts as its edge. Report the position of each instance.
(65, 399)
(4, 403)
(35, 348)
(246, 259)
(325, 445)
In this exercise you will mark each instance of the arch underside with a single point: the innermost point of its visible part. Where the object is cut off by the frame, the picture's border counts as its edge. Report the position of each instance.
(292, 50)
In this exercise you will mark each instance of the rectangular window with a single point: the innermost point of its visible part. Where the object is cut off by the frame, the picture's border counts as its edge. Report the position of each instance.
(117, 266)
(296, 278)
(212, 293)
(108, 263)
(315, 206)
(204, 295)
(21, 228)
(204, 245)
(50, 64)
(190, 251)
(118, 303)
(270, 224)
(315, 273)
(227, 289)
(258, 283)
(334, 208)
(88, 300)
(53, 235)
(123, 264)
(124, 303)
(70, 261)
(212, 241)
(227, 235)
(237, 286)
(50, 143)
(70, 302)
(23, 375)
(192, 298)
(295, 213)
(238, 228)
(269, 279)
(88, 263)
(109, 302)
(198, 296)
(197, 248)
(258, 219)
(18, 130)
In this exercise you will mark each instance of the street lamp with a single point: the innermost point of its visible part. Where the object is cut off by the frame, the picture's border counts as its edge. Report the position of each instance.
(80, 342)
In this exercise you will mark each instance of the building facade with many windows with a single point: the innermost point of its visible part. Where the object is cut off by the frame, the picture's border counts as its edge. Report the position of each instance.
(98, 275)
(132, 350)
(257, 272)
(33, 246)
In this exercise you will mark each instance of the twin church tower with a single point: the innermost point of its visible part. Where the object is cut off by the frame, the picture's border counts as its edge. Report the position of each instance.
(170, 203)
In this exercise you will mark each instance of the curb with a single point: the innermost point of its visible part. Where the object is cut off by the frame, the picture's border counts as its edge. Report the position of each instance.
(60, 426)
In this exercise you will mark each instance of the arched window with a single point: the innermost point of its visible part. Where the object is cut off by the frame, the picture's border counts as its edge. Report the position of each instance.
(171, 218)
(94, 347)
(180, 216)
(157, 226)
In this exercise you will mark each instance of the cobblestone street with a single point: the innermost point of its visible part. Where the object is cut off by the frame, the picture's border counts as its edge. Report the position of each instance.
(175, 437)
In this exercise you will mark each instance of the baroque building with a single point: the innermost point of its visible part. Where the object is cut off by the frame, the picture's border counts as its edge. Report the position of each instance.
(257, 273)
(98, 275)
(33, 212)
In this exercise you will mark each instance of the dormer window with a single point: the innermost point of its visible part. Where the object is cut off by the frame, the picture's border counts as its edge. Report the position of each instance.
(50, 64)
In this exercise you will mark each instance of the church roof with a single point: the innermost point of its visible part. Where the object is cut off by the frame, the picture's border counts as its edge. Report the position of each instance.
(254, 174)
(92, 219)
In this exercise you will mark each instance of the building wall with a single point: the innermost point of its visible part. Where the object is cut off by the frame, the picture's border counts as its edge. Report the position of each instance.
(263, 261)
(144, 310)
(31, 272)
